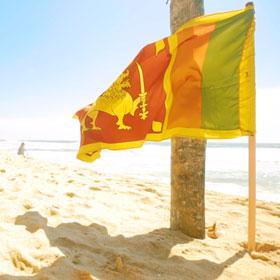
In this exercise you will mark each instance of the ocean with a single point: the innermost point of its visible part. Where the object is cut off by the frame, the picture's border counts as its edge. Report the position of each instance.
(226, 163)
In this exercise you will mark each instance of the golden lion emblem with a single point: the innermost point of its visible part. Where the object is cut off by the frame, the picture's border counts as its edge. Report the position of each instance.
(116, 101)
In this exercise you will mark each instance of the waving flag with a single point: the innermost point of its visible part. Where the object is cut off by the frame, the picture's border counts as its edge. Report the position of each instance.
(198, 82)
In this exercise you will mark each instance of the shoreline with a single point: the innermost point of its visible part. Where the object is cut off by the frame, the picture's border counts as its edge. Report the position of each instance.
(233, 189)
(226, 164)
(74, 223)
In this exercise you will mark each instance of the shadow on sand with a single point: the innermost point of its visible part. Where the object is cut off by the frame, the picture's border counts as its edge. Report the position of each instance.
(92, 249)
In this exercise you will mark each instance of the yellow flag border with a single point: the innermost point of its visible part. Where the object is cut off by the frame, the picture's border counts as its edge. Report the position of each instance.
(86, 151)
(213, 18)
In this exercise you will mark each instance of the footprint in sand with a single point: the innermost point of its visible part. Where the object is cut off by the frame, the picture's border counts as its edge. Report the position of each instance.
(84, 275)
(146, 200)
(275, 213)
(151, 190)
(266, 247)
(53, 212)
(70, 194)
(95, 189)
(76, 259)
(235, 214)
(119, 265)
(70, 181)
(27, 205)
(23, 263)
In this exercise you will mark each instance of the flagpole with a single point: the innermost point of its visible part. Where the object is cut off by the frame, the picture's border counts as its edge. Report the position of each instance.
(252, 194)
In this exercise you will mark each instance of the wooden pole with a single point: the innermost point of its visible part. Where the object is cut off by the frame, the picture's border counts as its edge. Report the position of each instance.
(252, 187)
(252, 194)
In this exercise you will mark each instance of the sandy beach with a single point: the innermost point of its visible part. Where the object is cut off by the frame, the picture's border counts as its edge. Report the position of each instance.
(65, 222)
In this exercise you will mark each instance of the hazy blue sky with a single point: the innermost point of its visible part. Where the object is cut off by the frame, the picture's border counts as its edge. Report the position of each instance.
(59, 55)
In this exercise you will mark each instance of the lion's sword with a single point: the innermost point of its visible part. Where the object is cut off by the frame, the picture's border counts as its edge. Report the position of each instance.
(144, 113)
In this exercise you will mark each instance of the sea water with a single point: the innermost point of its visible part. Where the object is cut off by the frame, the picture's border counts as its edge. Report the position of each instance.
(226, 163)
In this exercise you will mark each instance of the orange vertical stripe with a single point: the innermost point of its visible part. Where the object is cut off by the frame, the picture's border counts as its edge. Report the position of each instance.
(186, 77)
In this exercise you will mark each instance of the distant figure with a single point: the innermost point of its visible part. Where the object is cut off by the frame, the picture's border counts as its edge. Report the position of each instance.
(21, 149)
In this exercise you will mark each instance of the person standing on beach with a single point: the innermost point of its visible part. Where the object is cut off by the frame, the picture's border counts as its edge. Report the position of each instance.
(21, 149)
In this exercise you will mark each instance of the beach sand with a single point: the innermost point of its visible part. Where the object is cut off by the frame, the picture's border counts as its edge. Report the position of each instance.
(66, 222)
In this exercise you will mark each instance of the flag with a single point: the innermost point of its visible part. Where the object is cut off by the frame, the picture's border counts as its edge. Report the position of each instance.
(199, 82)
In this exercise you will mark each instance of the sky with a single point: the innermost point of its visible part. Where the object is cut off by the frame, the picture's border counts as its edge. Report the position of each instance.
(58, 56)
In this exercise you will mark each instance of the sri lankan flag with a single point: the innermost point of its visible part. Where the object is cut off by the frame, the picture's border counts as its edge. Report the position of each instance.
(198, 82)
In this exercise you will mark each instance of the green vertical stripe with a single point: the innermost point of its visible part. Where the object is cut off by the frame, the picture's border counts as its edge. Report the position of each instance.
(220, 74)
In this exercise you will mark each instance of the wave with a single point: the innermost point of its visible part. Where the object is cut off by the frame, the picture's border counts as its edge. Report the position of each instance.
(243, 145)
(50, 150)
(162, 143)
(48, 141)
